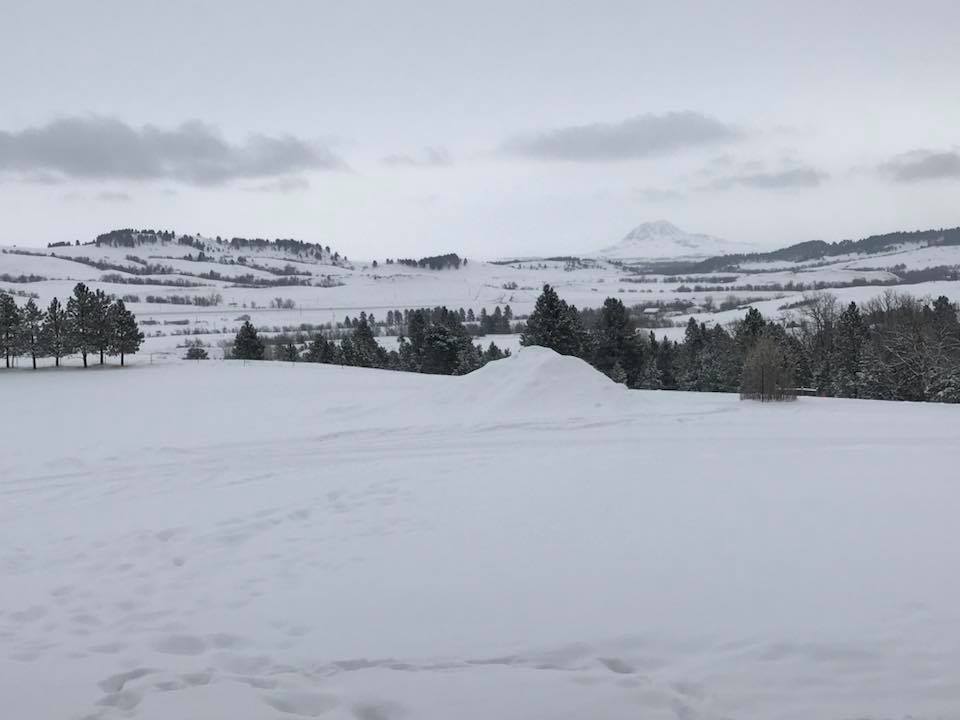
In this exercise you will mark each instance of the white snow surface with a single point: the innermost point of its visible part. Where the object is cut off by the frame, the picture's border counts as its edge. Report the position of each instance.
(267, 540)
(660, 240)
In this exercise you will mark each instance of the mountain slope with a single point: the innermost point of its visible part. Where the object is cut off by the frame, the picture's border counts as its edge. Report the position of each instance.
(664, 240)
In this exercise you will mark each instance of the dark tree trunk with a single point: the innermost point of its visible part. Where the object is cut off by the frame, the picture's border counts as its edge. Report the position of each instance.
(101, 357)
(34, 358)
(121, 359)
(84, 359)
(58, 361)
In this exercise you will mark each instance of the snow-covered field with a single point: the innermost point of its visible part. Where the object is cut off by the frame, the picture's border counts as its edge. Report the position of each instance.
(220, 540)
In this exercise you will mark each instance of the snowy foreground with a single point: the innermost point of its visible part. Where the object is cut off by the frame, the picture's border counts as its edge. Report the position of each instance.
(220, 541)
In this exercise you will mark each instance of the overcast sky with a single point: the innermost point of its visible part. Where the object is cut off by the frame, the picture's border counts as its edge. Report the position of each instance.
(490, 128)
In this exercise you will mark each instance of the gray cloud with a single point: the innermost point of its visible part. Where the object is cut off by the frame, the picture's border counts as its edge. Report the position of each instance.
(429, 157)
(115, 197)
(636, 137)
(284, 185)
(920, 165)
(100, 148)
(799, 177)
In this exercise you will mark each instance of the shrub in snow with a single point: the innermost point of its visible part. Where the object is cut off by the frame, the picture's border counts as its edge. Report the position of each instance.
(766, 374)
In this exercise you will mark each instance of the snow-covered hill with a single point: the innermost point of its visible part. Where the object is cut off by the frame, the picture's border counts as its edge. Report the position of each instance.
(274, 542)
(199, 288)
(662, 240)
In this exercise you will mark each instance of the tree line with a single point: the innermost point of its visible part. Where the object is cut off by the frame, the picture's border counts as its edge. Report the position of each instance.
(91, 323)
(434, 341)
(895, 347)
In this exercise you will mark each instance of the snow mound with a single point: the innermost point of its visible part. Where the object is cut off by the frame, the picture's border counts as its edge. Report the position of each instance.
(538, 381)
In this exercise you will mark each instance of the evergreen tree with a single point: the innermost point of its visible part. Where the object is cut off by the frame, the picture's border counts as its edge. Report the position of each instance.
(196, 353)
(366, 351)
(321, 351)
(750, 329)
(102, 324)
(651, 377)
(125, 335)
(614, 342)
(555, 325)
(667, 354)
(694, 341)
(416, 328)
(247, 345)
(10, 332)
(289, 352)
(720, 361)
(80, 318)
(441, 351)
(617, 374)
(32, 331)
(494, 353)
(849, 338)
(56, 331)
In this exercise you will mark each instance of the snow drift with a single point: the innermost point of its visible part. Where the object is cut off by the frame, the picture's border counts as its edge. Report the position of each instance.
(538, 382)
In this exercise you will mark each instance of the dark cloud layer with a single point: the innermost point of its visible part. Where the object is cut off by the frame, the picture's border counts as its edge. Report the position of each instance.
(102, 148)
(919, 165)
(801, 177)
(636, 137)
(429, 157)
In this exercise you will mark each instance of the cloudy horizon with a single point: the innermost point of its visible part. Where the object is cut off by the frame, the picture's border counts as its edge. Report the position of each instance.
(396, 129)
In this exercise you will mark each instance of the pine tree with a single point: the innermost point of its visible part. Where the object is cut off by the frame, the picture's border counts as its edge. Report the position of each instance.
(102, 324)
(321, 351)
(32, 331)
(617, 374)
(10, 327)
(849, 338)
(80, 316)
(247, 345)
(493, 352)
(749, 329)
(289, 352)
(441, 351)
(555, 325)
(125, 336)
(56, 331)
(614, 341)
(650, 377)
(366, 350)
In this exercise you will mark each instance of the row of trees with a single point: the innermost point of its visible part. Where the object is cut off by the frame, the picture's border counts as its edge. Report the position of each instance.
(895, 347)
(435, 341)
(91, 323)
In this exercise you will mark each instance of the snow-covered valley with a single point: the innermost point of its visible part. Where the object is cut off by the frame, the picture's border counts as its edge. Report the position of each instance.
(268, 540)
(179, 291)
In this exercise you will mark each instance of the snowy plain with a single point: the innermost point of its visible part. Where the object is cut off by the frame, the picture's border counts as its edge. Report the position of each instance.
(267, 540)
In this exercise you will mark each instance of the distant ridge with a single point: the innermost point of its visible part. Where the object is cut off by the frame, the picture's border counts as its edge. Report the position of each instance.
(662, 240)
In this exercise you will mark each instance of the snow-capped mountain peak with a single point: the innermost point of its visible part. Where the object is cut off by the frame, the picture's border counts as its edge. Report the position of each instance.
(662, 239)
